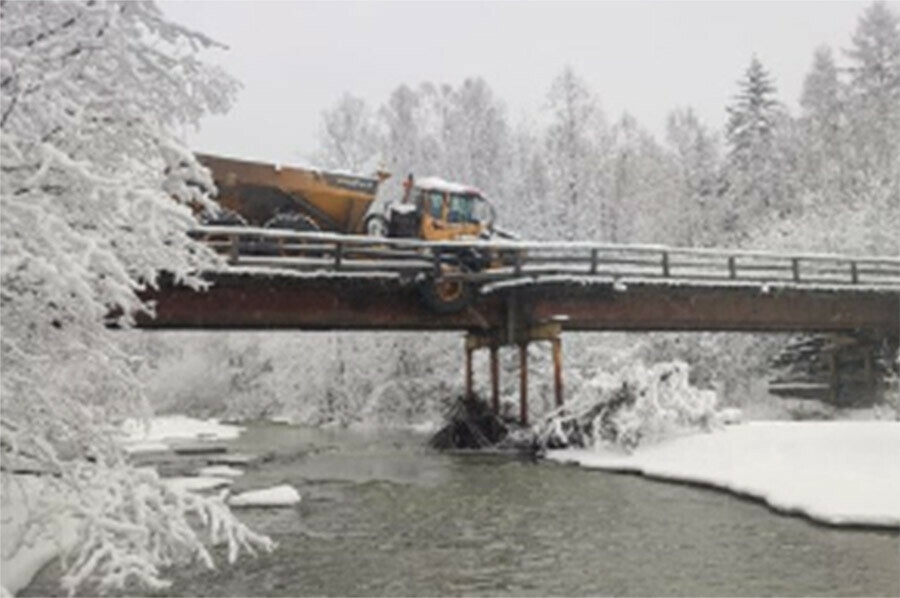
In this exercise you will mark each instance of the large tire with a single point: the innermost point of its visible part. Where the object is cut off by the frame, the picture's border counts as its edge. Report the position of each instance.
(376, 225)
(446, 297)
(226, 217)
(300, 223)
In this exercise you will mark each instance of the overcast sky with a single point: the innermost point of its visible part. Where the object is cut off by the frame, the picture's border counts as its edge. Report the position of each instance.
(295, 59)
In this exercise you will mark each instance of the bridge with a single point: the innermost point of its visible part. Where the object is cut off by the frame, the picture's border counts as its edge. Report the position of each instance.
(509, 292)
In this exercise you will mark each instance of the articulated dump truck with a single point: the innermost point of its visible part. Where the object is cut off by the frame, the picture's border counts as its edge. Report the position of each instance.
(303, 199)
(266, 195)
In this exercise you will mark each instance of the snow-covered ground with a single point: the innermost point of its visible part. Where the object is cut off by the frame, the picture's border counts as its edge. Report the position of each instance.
(842, 473)
(26, 550)
(277, 496)
(219, 471)
(158, 432)
(197, 483)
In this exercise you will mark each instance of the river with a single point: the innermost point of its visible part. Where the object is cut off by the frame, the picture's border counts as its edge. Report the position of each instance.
(383, 516)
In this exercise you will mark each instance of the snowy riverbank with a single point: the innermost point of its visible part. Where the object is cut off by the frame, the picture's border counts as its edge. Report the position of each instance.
(26, 548)
(840, 473)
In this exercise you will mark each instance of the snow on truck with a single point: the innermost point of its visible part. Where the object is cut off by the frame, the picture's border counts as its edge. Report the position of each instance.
(305, 199)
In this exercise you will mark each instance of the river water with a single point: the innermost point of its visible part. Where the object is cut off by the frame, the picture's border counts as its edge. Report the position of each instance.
(383, 516)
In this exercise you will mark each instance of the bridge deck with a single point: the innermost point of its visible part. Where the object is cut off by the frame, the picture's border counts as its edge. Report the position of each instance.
(320, 281)
(263, 301)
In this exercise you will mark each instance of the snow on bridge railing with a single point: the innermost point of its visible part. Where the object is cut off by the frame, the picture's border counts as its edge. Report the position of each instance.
(498, 260)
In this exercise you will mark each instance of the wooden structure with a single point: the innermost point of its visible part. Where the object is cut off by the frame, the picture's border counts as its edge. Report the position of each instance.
(840, 369)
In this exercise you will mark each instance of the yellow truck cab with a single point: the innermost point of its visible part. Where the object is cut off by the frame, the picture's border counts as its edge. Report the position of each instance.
(433, 209)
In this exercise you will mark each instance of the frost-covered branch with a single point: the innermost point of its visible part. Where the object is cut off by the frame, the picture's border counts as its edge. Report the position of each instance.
(637, 404)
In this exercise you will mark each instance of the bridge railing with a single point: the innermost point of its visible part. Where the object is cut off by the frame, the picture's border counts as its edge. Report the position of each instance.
(489, 261)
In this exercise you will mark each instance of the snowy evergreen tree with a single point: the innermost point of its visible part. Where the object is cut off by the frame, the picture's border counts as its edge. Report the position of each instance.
(95, 203)
(348, 137)
(755, 160)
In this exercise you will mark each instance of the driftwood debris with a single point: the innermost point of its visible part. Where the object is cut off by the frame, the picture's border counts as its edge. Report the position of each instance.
(471, 424)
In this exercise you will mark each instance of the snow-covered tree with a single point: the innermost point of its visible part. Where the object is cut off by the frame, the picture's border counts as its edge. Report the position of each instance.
(349, 136)
(401, 116)
(874, 89)
(756, 160)
(573, 143)
(95, 204)
(696, 153)
(823, 124)
(523, 206)
(473, 135)
(641, 193)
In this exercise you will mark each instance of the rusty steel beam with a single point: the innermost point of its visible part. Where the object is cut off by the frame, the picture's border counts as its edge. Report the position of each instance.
(470, 385)
(245, 301)
(739, 309)
(495, 379)
(523, 383)
(556, 345)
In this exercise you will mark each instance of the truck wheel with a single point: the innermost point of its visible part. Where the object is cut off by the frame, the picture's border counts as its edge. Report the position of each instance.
(376, 225)
(446, 296)
(294, 222)
(225, 217)
(228, 217)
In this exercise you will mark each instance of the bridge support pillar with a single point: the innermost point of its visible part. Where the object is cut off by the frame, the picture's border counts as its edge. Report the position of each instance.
(494, 339)
(495, 379)
(556, 344)
(523, 383)
(469, 374)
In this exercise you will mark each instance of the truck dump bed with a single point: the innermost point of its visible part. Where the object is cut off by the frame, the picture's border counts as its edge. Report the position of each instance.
(259, 192)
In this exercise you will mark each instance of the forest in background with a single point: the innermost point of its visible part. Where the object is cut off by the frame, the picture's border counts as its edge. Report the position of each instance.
(824, 179)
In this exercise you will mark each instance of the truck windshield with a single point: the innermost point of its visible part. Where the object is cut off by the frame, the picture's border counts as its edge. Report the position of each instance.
(461, 208)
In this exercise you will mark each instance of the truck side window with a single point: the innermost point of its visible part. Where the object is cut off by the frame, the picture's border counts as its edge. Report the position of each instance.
(419, 199)
(435, 204)
(481, 210)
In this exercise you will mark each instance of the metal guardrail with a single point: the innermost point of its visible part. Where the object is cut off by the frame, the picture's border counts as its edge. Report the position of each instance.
(492, 261)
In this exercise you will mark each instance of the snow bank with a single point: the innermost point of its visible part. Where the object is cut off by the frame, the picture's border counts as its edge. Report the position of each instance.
(278, 496)
(145, 447)
(220, 471)
(197, 483)
(841, 473)
(24, 552)
(158, 430)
